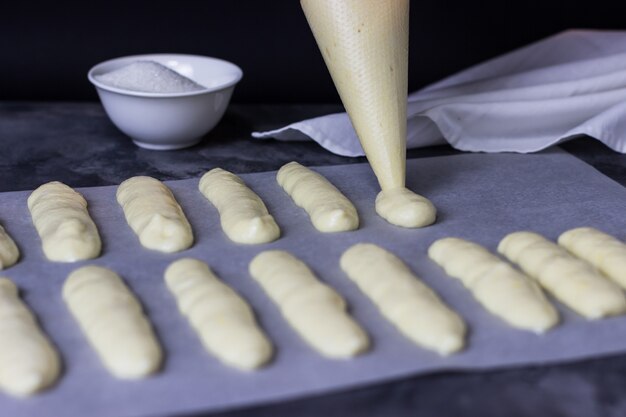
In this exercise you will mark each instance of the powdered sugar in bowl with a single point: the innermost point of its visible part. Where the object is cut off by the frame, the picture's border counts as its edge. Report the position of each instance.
(165, 101)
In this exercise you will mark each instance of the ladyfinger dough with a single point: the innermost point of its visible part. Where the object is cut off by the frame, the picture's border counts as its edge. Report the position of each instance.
(154, 214)
(28, 362)
(312, 308)
(113, 321)
(328, 208)
(572, 281)
(403, 298)
(67, 232)
(9, 253)
(402, 207)
(503, 290)
(222, 319)
(243, 214)
(600, 249)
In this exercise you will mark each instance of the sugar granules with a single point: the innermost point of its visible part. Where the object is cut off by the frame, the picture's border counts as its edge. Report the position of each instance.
(148, 77)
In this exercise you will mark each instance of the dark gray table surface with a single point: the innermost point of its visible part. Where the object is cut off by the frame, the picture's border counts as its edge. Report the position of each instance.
(75, 143)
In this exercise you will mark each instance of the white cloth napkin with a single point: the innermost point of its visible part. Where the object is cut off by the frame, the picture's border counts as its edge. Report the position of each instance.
(570, 84)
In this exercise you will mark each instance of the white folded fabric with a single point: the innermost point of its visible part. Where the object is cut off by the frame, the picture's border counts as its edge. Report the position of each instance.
(570, 84)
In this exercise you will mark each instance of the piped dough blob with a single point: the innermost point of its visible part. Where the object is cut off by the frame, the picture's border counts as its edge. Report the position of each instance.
(603, 251)
(28, 361)
(403, 207)
(243, 215)
(312, 308)
(222, 318)
(67, 232)
(365, 46)
(404, 299)
(503, 290)
(574, 282)
(328, 208)
(9, 253)
(113, 321)
(154, 214)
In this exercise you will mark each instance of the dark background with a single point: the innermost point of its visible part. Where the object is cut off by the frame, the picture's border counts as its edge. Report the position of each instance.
(47, 48)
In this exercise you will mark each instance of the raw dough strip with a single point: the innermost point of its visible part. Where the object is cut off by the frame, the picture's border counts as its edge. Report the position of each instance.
(572, 281)
(403, 298)
(113, 321)
(498, 286)
(312, 308)
(67, 232)
(243, 214)
(9, 253)
(600, 249)
(222, 319)
(28, 362)
(328, 208)
(402, 207)
(154, 214)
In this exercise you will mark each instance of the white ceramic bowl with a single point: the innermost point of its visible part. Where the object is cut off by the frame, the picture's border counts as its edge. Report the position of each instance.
(165, 121)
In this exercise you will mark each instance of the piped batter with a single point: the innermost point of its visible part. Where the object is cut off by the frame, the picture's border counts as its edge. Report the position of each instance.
(67, 232)
(28, 362)
(154, 214)
(572, 281)
(9, 253)
(498, 286)
(113, 321)
(312, 308)
(243, 215)
(603, 251)
(223, 319)
(403, 207)
(328, 208)
(404, 299)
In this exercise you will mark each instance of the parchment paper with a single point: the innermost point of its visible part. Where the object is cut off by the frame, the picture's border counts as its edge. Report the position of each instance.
(480, 197)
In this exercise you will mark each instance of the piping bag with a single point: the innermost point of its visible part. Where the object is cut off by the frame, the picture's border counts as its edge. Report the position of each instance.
(364, 44)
